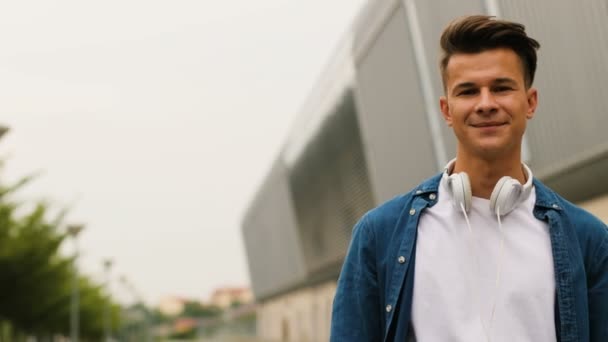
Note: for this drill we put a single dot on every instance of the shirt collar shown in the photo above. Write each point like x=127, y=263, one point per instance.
x=545, y=197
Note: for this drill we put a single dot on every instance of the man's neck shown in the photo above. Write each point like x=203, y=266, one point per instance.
x=484, y=174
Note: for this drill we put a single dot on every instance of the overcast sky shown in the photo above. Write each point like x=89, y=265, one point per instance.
x=156, y=121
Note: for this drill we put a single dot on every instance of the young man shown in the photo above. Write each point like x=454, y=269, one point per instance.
x=482, y=251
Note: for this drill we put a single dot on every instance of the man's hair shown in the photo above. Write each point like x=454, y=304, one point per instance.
x=478, y=33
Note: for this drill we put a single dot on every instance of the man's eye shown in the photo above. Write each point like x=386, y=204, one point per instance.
x=467, y=92
x=501, y=89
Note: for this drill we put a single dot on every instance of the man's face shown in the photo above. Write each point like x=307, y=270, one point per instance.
x=487, y=103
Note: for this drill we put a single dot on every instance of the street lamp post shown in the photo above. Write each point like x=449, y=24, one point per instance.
x=107, y=264
x=73, y=231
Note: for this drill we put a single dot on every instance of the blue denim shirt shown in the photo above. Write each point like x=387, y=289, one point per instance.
x=374, y=296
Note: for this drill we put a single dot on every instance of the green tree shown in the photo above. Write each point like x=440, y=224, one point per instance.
x=196, y=309
x=35, y=279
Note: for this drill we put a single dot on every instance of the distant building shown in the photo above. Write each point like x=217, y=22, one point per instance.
x=172, y=306
x=227, y=296
x=371, y=129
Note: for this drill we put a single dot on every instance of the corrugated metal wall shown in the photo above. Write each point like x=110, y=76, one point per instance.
x=330, y=187
x=392, y=114
x=273, y=244
x=323, y=177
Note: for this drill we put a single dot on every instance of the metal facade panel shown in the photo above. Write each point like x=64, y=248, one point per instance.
x=394, y=125
x=334, y=79
x=271, y=240
x=330, y=188
x=572, y=74
x=434, y=16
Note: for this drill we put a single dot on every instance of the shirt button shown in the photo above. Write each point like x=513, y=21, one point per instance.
x=389, y=308
x=412, y=211
x=432, y=197
x=401, y=260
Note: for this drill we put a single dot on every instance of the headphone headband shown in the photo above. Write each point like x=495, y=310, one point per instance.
x=508, y=192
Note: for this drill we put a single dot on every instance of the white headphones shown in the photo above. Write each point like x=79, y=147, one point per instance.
x=506, y=196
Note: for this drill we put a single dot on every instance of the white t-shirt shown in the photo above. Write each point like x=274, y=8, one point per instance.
x=455, y=275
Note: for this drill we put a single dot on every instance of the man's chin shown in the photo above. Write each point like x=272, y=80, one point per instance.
x=490, y=151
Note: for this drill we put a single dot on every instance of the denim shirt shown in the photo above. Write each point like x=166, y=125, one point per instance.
x=374, y=295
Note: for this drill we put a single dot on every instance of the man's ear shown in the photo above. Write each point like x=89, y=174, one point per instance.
x=445, y=110
x=532, y=95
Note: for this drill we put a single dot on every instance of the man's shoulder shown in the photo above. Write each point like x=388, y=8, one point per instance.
x=588, y=227
x=390, y=211
x=582, y=220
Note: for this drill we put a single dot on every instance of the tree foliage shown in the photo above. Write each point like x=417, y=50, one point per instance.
x=35, y=279
x=195, y=309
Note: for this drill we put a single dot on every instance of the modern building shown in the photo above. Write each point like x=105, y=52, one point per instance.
x=371, y=129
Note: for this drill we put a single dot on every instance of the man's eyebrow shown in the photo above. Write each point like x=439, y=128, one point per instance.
x=504, y=80
x=463, y=85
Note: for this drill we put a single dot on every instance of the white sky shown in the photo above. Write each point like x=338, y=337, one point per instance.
x=157, y=120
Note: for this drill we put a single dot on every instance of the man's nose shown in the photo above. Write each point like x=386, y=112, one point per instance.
x=487, y=103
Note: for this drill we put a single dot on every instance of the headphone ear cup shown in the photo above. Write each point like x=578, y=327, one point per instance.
x=506, y=195
x=460, y=186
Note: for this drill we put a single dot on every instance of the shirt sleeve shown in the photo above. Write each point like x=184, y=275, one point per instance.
x=355, y=315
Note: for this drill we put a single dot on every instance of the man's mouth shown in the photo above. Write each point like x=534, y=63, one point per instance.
x=488, y=124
